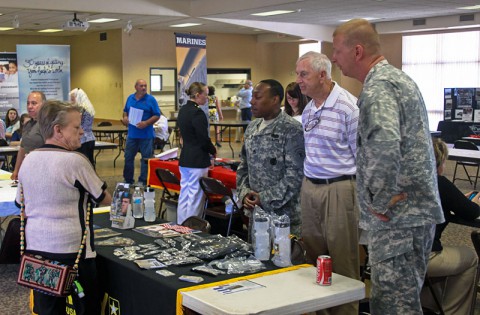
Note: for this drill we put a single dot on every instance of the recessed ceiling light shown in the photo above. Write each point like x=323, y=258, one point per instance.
x=103, y=20
x=463, y=26
x=185, y=25
x=472, y=7
x=270, y=13
x=50, y=30
x=6, y=28
x=365, y=18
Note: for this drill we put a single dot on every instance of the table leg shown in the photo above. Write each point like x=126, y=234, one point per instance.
x=230, y=141
x=120, y=147
x=95, y=158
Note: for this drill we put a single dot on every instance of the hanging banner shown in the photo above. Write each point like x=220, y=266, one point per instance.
x=191, y=62
x=8, y=83
x=44, y=68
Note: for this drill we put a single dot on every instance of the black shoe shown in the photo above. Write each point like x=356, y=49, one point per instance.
x=218, y=144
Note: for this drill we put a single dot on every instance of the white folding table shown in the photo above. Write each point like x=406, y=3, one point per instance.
x=291, y=292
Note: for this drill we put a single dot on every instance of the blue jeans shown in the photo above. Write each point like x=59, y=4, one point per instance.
x=246, y=116
x=145, y=146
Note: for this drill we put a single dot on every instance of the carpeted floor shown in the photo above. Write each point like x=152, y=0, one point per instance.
x=13, y=298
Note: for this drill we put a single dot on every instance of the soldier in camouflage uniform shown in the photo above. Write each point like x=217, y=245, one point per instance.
x=397, y=188
x=271, y=168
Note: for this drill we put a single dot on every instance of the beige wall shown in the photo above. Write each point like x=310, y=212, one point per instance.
x=145, y=49
x=8, y=43
x=391, y=49
x=284, y=59
x=107, y=70
x=96, y=67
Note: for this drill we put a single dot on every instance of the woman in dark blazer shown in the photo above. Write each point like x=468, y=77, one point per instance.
x=197, y=152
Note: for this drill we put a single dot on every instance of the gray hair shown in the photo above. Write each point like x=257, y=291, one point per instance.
x=319, y=62
x=53, y=113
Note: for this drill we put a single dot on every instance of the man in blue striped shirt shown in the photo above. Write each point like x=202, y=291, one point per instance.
x=328, y=194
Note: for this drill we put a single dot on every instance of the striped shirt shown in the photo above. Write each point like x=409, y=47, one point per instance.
x=330, y=145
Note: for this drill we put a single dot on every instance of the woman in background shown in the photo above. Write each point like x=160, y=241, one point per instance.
x=12, y=122
x=17, y=134
x=456, y=264
x=215, y=113
x=57, y=184
x=295, y=101
x=80, y=98
x=196, y=154
x=2, y=129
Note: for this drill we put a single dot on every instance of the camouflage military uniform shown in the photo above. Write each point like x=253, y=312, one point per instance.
x=395, y=155
x=272, y=165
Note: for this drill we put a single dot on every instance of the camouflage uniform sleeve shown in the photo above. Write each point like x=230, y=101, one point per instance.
x=276, y=196
x=382, y=146
x=243, y=185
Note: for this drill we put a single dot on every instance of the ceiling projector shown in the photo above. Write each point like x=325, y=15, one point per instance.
x=75, y=25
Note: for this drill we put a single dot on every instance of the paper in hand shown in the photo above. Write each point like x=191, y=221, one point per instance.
x=135, y=116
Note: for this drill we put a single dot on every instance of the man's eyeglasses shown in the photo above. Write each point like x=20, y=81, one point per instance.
x=312, y=122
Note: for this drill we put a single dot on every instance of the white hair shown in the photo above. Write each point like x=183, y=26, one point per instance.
x=318, y=61
x=82, y=100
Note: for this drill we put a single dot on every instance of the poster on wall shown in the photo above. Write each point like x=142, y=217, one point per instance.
x=43, y=68
x=467, y=114
x=8, y=83
x=191, y=63
x=458, y=114
x=464, y=97
x=476, y=115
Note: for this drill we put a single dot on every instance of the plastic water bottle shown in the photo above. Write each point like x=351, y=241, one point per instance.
x=137, y=201
x=116, y=196
x=228, y=206
x=149, y=195
x=261, y=234
x=281, y=244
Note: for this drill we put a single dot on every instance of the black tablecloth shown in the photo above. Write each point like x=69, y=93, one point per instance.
x=138, y=291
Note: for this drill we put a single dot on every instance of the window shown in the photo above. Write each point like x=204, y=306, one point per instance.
x=304, y=48
x=438, y=61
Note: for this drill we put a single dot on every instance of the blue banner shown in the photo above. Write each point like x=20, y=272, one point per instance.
x=44, y=68
x=8, y=83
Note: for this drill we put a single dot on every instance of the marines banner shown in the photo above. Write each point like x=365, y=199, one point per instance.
x=191, y=62
x=8, y=83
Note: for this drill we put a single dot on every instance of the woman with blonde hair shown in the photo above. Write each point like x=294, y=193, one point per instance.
x=197, y=152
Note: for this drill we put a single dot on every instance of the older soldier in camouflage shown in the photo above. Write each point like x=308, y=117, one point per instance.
x=271, y=168
x=397, y=188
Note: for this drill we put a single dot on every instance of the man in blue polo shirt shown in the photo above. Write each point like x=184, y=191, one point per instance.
x=140, y=113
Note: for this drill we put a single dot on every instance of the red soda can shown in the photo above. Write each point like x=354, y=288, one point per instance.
x=324, y=270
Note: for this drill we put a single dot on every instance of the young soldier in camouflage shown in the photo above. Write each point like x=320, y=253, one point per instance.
x=397, y=187
x=271, y=168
